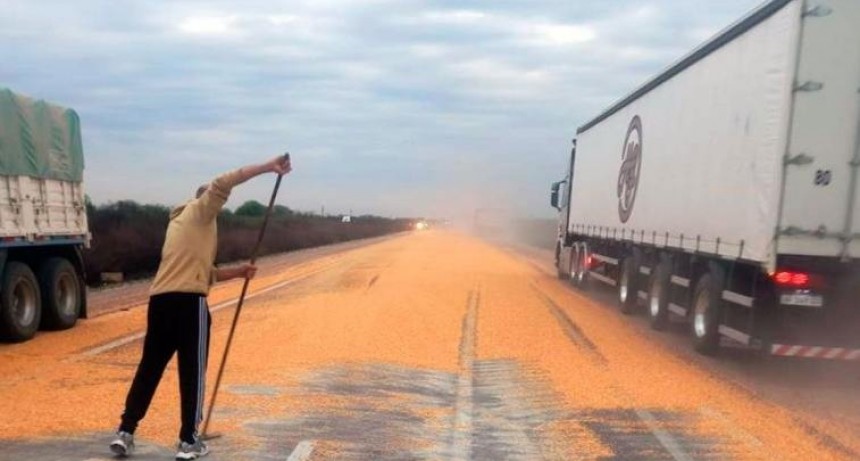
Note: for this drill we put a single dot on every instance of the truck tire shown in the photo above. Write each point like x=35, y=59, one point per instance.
x=571, y=266
x=61, y=294
x=20, y=303
x=706, y=312
x=558, y=262
x=628, y=288
x=562, y=270
x=658, y=296
x=574, y=264
x=580, y=279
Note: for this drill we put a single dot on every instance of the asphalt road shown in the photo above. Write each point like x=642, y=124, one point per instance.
x=428, y=346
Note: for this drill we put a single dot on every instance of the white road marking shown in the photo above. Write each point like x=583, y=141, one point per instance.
x=113, y=344
x=302, y=452
x=139, y=335
x=669, y=443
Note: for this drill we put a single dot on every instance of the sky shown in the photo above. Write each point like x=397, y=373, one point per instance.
x=390, y=107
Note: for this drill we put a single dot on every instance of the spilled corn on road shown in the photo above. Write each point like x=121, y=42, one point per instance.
x=426, y=346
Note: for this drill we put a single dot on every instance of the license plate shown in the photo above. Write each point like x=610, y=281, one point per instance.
x=805, y=300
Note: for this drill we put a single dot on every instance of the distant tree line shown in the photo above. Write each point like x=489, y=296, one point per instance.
x=127, y=236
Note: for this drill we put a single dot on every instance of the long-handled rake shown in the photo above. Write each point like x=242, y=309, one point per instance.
x=205, y=435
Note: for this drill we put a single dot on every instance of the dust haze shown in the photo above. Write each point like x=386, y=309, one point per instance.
x=498, y=212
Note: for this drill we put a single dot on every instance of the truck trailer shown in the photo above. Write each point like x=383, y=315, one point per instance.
x=43, y=219
x=723, y=192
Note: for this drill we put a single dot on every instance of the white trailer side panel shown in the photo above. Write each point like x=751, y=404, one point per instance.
x=826, y=125
x=11, y=209
x=712, y=142
x=33, y=208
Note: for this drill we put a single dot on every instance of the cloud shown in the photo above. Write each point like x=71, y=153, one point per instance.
x=464, y=17
x=393, y=107
x=208, y=25
x=560, y=34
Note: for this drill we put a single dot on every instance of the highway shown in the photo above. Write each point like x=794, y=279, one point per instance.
x=427, y=346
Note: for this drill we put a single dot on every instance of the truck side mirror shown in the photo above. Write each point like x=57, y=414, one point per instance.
x=553, y=198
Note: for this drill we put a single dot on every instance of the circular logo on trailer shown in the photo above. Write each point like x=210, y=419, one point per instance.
x=631, y=165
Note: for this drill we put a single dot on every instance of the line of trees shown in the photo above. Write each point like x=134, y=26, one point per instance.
x=127, y=236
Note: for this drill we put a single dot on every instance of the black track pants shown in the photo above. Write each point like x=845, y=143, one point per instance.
x=176, y=322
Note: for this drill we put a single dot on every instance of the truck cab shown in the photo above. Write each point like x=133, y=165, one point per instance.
x=560, y=200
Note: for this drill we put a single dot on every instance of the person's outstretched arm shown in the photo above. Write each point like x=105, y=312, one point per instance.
x=213, y=198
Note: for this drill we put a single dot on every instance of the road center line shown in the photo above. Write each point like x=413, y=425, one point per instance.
x=302, y=452
x=140, y=334
x=461, y=444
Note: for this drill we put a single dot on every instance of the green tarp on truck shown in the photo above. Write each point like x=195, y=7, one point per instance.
x=39, y=139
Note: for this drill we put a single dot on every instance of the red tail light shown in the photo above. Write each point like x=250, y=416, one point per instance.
x=791, y=279
x=588, y=261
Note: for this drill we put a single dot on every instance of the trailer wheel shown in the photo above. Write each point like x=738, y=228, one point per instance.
x=628, y=289
x=20, y=303
x=658, y=296
x=61, y=293
x=706, y=312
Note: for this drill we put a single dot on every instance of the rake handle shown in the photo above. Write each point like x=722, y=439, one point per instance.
x=241, y=302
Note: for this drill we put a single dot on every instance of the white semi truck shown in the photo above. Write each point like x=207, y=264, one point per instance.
x=723, y=192
x=43, y=220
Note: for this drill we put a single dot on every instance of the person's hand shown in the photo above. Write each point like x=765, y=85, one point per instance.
x=247, y=271
x=280, y=165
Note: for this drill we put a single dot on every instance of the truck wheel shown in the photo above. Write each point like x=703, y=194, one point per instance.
x=628, y=289
x=61, y=293
x=574, y=264
x=20, y=303
x=706, y=313
x=558, y=270
x=581, y=278
x=563, y=270
x=658, y=296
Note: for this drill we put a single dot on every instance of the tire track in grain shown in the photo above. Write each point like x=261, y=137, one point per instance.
x=372, y=282
x=570, y=328
x=653, y=427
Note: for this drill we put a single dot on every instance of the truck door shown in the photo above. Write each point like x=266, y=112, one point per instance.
x=823, y=155
x=568, y=192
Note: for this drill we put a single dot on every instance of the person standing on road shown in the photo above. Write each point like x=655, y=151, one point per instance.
x=178, y=318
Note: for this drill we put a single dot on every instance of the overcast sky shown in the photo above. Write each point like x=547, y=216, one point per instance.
x=390, y=107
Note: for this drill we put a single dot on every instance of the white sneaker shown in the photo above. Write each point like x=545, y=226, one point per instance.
x=123, y=444
x=194, y=450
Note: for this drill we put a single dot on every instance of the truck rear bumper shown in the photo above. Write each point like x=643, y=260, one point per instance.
x=814, y=352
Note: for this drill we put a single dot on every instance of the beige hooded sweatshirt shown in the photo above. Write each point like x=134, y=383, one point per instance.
x=190, y=245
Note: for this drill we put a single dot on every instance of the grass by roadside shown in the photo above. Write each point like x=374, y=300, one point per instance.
x=127, y=236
